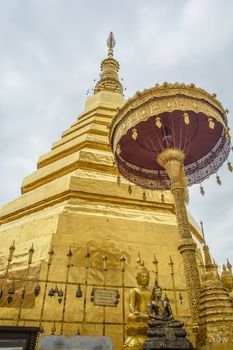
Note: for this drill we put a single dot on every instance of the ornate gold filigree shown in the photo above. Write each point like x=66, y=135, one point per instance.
x=172, y=160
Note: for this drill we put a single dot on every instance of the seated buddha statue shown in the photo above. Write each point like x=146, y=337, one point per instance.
x=163, y=331
x=139, y=299
x=160, y=311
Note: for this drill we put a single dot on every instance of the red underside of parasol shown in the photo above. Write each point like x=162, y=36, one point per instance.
x=205, y=148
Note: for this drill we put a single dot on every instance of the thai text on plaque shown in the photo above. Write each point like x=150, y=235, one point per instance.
x=105, y=297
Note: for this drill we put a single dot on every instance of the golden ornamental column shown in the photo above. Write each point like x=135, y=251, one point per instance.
x=172, y=161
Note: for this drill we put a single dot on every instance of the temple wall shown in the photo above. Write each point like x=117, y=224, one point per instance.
x=100, y=216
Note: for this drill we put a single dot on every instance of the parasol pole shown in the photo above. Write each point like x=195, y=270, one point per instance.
x=172, y=160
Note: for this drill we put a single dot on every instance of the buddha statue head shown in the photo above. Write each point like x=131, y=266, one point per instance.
x=142, y=276
x=157, y=291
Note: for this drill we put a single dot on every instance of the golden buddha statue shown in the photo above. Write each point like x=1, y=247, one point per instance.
x=139, y=299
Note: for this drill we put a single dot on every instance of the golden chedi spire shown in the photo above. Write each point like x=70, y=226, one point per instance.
x=227, y=278
x=215, y=324
x=109, y=80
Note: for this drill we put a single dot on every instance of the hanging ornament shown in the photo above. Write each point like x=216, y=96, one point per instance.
x=202, y=190
x=129, y=189
x=211, y=123
x=186, y=118
x=227, y=135
x=118, y=149
x=158, y=122
x=37, y=289
x=118, y=180
x=144, y=195
x=229, y=165
x=232, y=148
x=162, y=198
x=219, y=182
x=79, y=292
x=134, y=134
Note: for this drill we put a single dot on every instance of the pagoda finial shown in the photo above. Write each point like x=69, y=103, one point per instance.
x=110, y=43
x=207, y=258
x=109, y=80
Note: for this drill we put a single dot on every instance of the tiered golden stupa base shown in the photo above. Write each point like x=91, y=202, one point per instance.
x=215, y=330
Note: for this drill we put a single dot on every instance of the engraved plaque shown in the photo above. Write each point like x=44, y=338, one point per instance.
x=106, y=297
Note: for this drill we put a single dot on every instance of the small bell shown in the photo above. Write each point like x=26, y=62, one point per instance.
x=92, y=295
x=118, y=149
x=162, y=198
x=11, y=289
x=227, y=135
x=202, y=190
x=229, y=165
x=78, y=332
x=219, y=182
x=37, y=290
x=144, y=195
x=134, y=134
x=158, y=122
x=56, y=290
x=9, y=299
x=79, y=292
x=129, y=189
x=211, y=123
x=53, y=329
x=51, y=292
x=186, y=118
x=60, y=293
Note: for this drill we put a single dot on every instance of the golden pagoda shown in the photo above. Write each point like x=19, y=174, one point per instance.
x=78, y=225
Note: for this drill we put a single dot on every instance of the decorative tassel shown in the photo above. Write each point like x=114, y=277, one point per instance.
x=186, y=118
x=202, y=190
x=229, y=165
x=211, y=123
x=219, y=182
x=134, y=134
x=158, y=122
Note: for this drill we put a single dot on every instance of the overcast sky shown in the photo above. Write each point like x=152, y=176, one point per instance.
x=50, y=52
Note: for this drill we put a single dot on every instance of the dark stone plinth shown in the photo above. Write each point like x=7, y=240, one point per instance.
x=167, y=337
